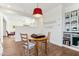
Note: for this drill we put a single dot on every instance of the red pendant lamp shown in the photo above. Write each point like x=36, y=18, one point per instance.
x=37, y=12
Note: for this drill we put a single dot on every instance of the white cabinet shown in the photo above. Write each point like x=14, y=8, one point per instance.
x=71, y=23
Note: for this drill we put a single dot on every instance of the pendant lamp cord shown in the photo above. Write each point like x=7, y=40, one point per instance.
x=37, y=5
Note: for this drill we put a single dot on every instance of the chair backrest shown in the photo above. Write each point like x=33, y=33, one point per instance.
x=48, y=37
x=25, y=40
x=24, y=37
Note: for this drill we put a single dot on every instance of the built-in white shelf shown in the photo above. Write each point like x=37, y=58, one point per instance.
x=71, y=27
x=71, y=21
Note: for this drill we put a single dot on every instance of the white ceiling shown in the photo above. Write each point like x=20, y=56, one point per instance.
x=26, y=9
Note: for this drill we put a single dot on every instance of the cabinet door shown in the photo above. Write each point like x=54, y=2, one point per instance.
x=75, y=41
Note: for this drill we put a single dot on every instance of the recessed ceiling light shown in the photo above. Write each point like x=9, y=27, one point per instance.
x=8, y=6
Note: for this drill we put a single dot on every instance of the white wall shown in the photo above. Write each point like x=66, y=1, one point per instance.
x=24, y=29
x=4, y=27
x=56, y=26
x=16, y=20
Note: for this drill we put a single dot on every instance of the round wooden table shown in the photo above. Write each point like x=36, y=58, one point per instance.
x=37, y=40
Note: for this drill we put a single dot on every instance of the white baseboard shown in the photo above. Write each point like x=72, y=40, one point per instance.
x=71, y=47
x=61, y=45
x=56, y=44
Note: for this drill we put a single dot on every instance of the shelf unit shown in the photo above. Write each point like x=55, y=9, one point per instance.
x=72, y=21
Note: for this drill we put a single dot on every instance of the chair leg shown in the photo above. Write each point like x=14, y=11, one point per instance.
x=34, y=52
x=43, y=48
x=28, y=53
x=46, y=47
x=25, y=52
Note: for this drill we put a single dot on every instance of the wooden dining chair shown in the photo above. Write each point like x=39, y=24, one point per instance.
x=46, y=43
x=48, y=37
x=24, y=37
x=27, y=44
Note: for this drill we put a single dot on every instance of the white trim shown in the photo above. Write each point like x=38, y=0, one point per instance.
x=71, y=47
x=56, y=44
x=75, y=49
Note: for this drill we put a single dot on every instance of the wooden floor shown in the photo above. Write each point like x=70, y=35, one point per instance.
x=12, y=48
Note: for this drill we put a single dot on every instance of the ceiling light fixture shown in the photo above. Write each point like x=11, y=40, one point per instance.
x=37, y=12
x=8, y=6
